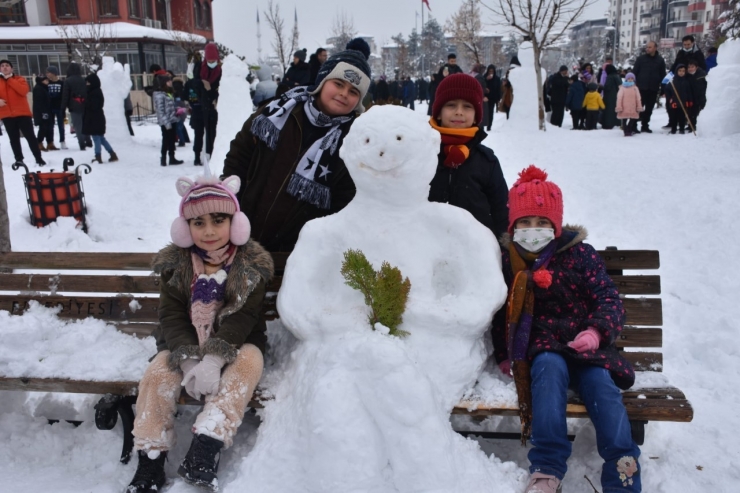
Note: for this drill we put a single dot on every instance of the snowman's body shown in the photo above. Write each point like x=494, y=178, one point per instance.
x=361, y=410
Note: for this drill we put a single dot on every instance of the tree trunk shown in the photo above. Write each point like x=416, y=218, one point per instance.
x=4, y=223
x=540, y=95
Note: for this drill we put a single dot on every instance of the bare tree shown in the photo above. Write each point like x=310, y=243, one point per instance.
x=403, y=60
x=191, y=43
x=543, y=23
x=87, y=44
x=4, y=222
x=280, y=41
x=465, y=26
x=342, y=30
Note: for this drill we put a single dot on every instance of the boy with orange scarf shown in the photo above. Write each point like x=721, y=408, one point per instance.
x=468, y=174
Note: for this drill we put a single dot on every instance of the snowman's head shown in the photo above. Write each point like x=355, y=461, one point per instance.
x=391, y=154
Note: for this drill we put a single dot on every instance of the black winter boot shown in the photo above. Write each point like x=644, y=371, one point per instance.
x=201, y=462
x=163, y=161
x=98, y=158
x=174, y=160
x=149, y=477
x=197, y=161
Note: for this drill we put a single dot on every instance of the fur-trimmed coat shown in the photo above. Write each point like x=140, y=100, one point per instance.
x=238, y=322
x=582, y=295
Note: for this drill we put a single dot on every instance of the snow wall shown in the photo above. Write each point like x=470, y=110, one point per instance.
x=720, y=117
x=524, y=114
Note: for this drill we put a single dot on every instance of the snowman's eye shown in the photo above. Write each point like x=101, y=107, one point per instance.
x=398, y=137
x=367, y=141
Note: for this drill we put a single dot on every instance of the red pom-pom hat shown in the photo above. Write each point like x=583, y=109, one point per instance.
x=533, y=195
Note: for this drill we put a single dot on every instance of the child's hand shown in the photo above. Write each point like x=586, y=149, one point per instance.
x=505, y=367
x=587, y=340
x=206, y=375
x=186, y=366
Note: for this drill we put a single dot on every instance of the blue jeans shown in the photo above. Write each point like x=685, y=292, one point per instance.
x=59, y=116
x=551, y=377
x=100, y=139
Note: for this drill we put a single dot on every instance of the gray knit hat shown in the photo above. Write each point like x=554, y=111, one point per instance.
x=350, y=65
x=52, y=69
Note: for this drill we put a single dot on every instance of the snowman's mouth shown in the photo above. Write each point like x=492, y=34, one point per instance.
x=377, y=171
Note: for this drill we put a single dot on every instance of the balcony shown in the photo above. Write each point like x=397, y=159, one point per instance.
x=678, y=3
x=656, y=9
x=720, y=2
x=645, y=30
x=695, y=29
x=678, y=22
x=697, y=6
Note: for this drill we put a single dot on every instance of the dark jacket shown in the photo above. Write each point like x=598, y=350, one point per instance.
x=93, y=119
x=276, y=216
x=192, y=92
x=582, y=295
x=41, y=102
x=494, y=86
x=699, y=88
x=649, y=72
x=478, y=186
x=382, y=92
x=611, y=88
x=313, y=69
x=74, y=90
x=683, y=88
x=297, y=75
x=55, y=93
x=452, y=69
x=238, y=322
x=558, y=89
x=684, y=57
x=208, y=98
x=576, y=93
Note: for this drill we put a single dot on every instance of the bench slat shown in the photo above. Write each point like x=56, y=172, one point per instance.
x=645, y=361
x=644, y=311
x=640, y=337
x=637, y=285
x=631, y=259
x=80, y=283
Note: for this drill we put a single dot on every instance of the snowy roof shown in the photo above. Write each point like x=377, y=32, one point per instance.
x=122, y=30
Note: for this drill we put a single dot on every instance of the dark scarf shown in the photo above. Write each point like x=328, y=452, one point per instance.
x=310, y=181
x=454, y=142
x=519, y=316
x=210, y=74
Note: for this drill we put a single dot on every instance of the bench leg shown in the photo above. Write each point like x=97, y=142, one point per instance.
x=638, y=431
x=107, y=411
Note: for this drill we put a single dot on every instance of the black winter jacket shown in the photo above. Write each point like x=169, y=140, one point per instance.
x=684, y=57
x=478, y=186
x=558, y=89
x=74, y=90
x=93, y=119
x=649, y=72
x=298, y=75
x=683, y=88
x=699, y=88
x=494, y=86
x=41, y=102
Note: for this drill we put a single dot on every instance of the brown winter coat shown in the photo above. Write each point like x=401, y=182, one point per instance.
x=14, y=90
x=276, y=216
x=629, y=103
x=238, y=322
x=507, y=95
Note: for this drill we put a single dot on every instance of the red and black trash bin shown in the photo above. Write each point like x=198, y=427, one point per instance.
x=51, y=195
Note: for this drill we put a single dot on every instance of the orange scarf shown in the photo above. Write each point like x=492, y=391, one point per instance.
x=453, y=143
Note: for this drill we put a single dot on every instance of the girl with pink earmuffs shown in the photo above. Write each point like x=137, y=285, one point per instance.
x=211, y=335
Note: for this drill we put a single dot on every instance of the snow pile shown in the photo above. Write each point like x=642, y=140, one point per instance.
x=38, y=343
x=357, y=410
x=720, y=117
x=115, y=81
x=234, y=107
x=524, y=113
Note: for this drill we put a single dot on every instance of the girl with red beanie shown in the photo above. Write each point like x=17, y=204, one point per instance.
x=562, y=317
x=468, y=174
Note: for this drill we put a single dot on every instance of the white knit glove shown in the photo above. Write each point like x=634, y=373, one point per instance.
x=206, y=375
x=186, y=365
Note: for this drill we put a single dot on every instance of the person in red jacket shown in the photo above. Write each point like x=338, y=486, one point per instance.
x=15, y=112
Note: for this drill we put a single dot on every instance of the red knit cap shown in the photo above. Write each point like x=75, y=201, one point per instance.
x=459, y=86
x=533, y=195
x=212, y=52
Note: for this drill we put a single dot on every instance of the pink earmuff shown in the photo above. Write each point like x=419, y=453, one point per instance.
x=240, y=229
x=180, y=233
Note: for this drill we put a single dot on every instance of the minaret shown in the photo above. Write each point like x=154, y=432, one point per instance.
x=259, y=39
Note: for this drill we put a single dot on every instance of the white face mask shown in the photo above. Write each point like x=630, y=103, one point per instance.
x=212, y=64
x=533, y=239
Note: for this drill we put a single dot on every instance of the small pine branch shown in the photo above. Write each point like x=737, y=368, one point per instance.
x=386, y=291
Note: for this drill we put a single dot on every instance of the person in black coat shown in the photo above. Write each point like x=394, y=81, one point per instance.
x=42, y=113
x=698, y=79
x=73, y=99
x=299, y=73
x=315, y=62
x=679, y=97
x=493, y=93
x=382, y=92
x=192, y=94
x=468, y=173
x=93, y=119
x=689, y=52
x=558, y=90
x=649, y=72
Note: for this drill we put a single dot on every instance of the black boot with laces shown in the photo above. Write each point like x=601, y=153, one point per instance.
x=149, y=477
x=201, y=462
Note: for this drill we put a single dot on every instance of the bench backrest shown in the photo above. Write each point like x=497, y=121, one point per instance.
x=123, y=291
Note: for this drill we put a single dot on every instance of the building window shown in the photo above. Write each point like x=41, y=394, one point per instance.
x=134, y=8
x=161, y=12
x=146, y=9
x=14, y=14
x=108, y=8
x=206, y=15
x=66, y=8
x=198, y=14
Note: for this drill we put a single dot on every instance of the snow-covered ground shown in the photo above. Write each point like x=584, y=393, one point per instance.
x=671, y=193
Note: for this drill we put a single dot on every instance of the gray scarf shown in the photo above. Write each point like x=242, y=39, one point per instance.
x=314, y=166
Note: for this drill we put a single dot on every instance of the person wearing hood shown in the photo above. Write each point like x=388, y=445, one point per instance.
x=574, y=102
x=210, y=74
x=299, y=73
x=493, y=93
x=689, y=51
x=558, y=86
x=192, y=94
x=711, y=60
x=42, y=113
x=93, y=120
x=74, y=93
x=611, y=88
x=698, y=79
x=266, y=87
x=164, y=106
x=15, y=113
x=315, y=62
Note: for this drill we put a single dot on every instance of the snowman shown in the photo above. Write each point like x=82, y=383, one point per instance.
x=115, y=82
x=358, y=410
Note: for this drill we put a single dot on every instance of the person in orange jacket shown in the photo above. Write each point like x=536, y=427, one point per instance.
x=15, y=112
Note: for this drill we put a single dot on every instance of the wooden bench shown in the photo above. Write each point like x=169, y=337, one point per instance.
x=106, y=295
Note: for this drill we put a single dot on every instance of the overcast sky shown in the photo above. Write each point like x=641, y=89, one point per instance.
x=235, y=21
